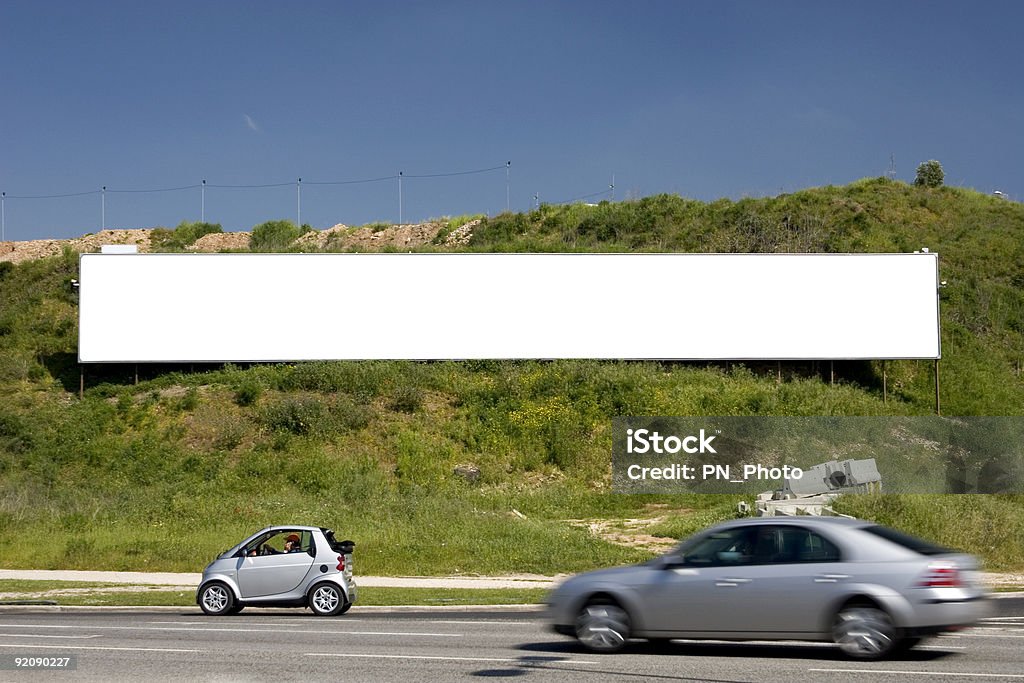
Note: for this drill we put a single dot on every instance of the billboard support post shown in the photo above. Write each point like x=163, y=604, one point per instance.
x=885, y=392
x=938, y=408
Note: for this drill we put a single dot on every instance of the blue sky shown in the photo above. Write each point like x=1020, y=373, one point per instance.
x=704, y=99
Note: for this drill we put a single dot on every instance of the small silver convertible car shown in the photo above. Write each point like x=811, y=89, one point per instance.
x=868, y=588
x=281, y=566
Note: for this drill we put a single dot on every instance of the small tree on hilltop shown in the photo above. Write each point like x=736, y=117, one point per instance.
x=929, y=174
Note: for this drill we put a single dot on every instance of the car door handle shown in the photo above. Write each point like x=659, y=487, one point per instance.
x=830, y=578
x=731, y=582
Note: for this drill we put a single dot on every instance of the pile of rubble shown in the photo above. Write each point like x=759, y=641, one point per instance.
x=337, y=238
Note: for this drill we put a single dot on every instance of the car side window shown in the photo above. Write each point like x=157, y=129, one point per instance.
x=281, y=542
x=792, y=544
x=729, y=547
x=813, y=547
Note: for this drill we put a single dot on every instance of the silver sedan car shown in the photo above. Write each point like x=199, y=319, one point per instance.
x=870, y=589
x=281, y=566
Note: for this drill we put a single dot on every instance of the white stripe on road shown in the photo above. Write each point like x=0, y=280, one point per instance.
x=242, y=630
x=33, y=635
x=488, y=623
x=208, y=622
x=100, y=647
x=525, y=662
x=1008, y=627
x=900, y=672
x=325, y=633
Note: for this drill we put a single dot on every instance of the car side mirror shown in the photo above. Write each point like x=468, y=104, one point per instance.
x=673, y=561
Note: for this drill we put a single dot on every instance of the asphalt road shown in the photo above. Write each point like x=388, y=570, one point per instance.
x=260, y=645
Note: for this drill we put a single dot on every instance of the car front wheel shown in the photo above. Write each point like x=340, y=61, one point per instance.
x=602, y=627
x=864, y=632
x=217, y=599
x=326, y=600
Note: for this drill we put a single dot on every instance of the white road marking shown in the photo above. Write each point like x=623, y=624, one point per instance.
x=242, y=630
x=489, y=623
x=987, y=635
x=33, y=635
x=307, y=620
x=999, y=628
x=101, y=647
x=900, y=672
x=940, y=647
x=520, y=660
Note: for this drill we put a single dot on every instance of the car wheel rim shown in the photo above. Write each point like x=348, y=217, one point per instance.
x=864, y=632
x=215, y=598
x=602, y=627
x=325, y=599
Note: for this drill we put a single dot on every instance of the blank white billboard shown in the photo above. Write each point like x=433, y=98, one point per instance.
x=280, y=307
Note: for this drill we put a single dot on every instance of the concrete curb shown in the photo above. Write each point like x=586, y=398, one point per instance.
x=193, y=579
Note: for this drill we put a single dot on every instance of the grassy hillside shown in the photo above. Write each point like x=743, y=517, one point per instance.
x=488, y=467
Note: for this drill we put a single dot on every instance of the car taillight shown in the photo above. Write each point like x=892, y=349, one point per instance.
x=940, y=576
x=341, y=563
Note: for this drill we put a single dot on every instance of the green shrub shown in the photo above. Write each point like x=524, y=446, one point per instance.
x=407, y=399
x=300, y=416
x=314, y=417
x=349, y=416
x=189, y=401
x=182, y=237
x=248, y=392
x=273, y=236
x=15, y=434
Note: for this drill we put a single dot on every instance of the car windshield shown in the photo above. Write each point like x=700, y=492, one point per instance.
x=918, y=545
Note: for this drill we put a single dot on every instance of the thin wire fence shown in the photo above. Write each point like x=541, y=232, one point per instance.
x=203, y=186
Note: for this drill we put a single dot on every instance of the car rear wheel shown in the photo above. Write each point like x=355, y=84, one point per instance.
x=864, y=632
x=217, y=599
x=326, y=600
x=602, y=626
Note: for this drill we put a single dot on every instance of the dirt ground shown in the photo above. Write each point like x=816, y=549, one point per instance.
x=337, y=238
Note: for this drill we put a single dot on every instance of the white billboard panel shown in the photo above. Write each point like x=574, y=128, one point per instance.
x=278, y=307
